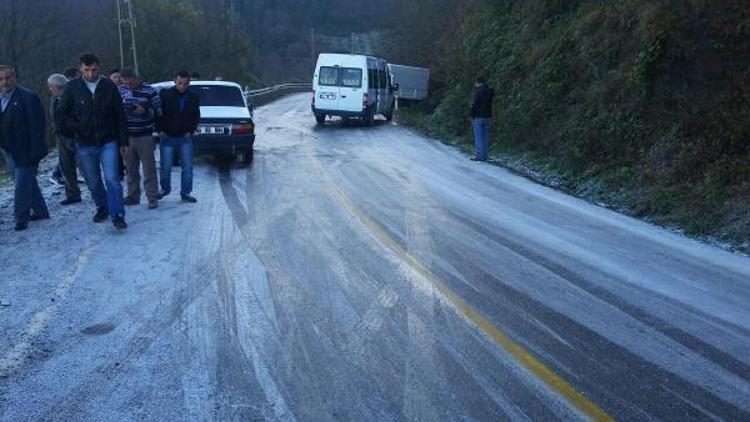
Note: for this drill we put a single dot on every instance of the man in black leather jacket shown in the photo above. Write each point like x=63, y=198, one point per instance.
x=91, y=112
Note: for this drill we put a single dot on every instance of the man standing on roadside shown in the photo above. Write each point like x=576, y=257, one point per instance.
x=180, y=117
x=22, y=136
x=66, y=147
x=91, y=111
x=481, y=116
x=142, y=106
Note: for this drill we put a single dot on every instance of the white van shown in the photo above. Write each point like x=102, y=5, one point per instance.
x=348, y=85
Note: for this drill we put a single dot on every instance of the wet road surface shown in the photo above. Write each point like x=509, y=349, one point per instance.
x=367, y=273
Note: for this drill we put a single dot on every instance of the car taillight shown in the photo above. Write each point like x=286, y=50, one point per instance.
x=365, y=100
x=243, y=129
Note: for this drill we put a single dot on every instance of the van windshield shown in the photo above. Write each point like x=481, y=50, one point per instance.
x=340, y=76
x=218, y=95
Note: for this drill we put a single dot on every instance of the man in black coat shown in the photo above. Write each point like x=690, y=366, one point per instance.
x=22, y=136
x=179, y=120
x=481, y=116
x=90, y=111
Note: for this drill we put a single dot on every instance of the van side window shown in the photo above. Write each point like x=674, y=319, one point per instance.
x=329, y=76
x=372, y=76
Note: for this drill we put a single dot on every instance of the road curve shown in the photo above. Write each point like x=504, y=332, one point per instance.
x=368, y=273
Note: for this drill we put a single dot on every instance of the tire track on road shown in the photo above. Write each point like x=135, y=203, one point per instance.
x=15, y=357
x=523, y=357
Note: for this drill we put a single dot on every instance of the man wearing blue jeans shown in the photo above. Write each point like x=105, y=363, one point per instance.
x=481, y=116
x=179, y=120
x=91, y=112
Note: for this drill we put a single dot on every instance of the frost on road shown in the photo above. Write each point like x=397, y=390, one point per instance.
x=355, y=273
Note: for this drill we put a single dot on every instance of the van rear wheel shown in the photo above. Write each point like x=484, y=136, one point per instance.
x=369, y=118
x=320, y=118
x=389, y=115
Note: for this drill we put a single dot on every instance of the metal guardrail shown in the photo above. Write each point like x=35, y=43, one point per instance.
x=277, y=88
x=262, y=96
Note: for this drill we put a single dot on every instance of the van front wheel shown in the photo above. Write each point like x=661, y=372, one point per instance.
x=320, y=118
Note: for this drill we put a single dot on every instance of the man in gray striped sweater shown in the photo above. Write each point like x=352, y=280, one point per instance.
x=142, y=106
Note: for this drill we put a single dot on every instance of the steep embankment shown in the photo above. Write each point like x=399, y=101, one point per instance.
x=642, y=105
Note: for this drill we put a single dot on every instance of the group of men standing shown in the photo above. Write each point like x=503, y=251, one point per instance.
x=99, y=123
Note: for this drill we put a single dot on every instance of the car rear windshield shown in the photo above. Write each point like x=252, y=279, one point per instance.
x=218, y=95
x=340, y=76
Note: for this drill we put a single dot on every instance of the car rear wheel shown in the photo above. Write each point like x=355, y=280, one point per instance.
x=320, y=118
x=247, y=156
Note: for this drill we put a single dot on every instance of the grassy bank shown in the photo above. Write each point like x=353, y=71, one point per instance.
x=641, y=105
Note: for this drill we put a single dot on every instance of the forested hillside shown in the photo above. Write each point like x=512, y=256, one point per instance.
x=44, y=36
x=643, y=105
x=288, y=34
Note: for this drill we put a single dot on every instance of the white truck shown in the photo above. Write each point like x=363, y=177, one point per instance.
x=352, y=86
x=412, y=82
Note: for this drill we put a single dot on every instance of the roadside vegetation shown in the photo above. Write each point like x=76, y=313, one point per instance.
x=640, y=105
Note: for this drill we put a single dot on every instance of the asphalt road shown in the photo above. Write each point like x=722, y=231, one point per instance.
x=368, y=273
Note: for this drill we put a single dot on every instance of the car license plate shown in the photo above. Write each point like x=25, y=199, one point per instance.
x=212, y=130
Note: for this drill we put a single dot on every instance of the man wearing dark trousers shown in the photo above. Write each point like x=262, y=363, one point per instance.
x=481, y=116
x=91, y=111
x=180, y=116
x=66, y=147
x=22, y=134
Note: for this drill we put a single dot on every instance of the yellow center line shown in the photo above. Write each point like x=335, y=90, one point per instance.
x=524, y=357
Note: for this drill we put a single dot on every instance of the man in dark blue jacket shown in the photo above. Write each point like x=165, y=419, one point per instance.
x=22, y=133
x=90, y=111
x=481, y=115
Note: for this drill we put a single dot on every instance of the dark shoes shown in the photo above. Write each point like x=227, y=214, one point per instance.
x=188, y=198
x=35, y=217
x=152, y=205
x=70, y=201
x=475, y=158
x=101, y=215
x=120, y=223
x=130, y=201
x=162, y=194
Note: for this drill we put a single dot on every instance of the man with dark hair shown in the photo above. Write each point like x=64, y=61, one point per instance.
x=481, y=115
x=91, y=111
x=72, y=73
x=143, y=106
x=115, y=76
x=22, y=135
x=180, y=116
